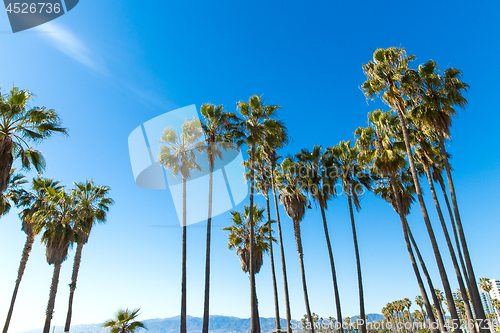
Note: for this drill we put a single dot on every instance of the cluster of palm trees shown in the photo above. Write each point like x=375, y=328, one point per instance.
x=390, y=157
x=486, y=285
x=62, y=216
x=399, y=316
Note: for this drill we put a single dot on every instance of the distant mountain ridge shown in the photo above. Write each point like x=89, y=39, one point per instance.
x=218, y=324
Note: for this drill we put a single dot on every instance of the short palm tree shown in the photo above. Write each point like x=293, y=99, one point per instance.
x=92, y=203
x=32, y=201
x=419, y=300
x=56, y=218
x=217, y=125
x=239, y=239
x=440, y=297
x=124, y=322
x=294, y=201
x=20, y=125
x=485, y=284
x=496, y=306
x=178, y=153
x=389, y=75
x=316, y=180
x=258, y=121
x=354, y=180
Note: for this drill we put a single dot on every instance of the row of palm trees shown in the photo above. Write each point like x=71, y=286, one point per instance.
x=389, y=157
x=398, y=313
x=62, y=216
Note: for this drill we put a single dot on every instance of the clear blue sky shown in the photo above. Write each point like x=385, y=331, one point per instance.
x=108, y=67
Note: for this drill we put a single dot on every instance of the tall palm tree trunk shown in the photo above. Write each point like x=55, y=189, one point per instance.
x=6, y=160
x=254, y=328
x=358, y=265
x=298, y=241
x=439, y=260
x=22, y=266
x=463, y=291
x=282, y=254
x=457, y=241
x=256, y=305
x=435, y=300
x=206, y=312
x=52, y=297
x=478, y=306
x=404, y=224
x=183, y=282
x=273, y=272
x=72, y=286
x=455, y=234
x=332, y=265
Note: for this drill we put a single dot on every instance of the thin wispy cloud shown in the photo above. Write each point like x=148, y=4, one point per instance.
x=68, y=43
x=71, y=45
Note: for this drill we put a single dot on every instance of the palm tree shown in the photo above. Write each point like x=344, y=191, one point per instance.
x=347, y=320
x=425, y=156
x=419, y=300
x=56, y=217
x=274, y=141
x=20, y=124
x=320, y=185
x=496, y=306
x=419, y=316
x=388, y=74
x=440, y=297
x=124, y=322
x=388, y=312
x=178, y=153
x=294, y=201
x=485, y=284
x=353, y=179
x=256, y=123
x=439, y=95
x=262, y=183
x=380, y=150
x=33, y=201
x=217, y=126
x=92, y=204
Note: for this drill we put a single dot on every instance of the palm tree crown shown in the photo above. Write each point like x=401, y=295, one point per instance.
x=124, y=322
x=19, y=125
x=239, y=237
